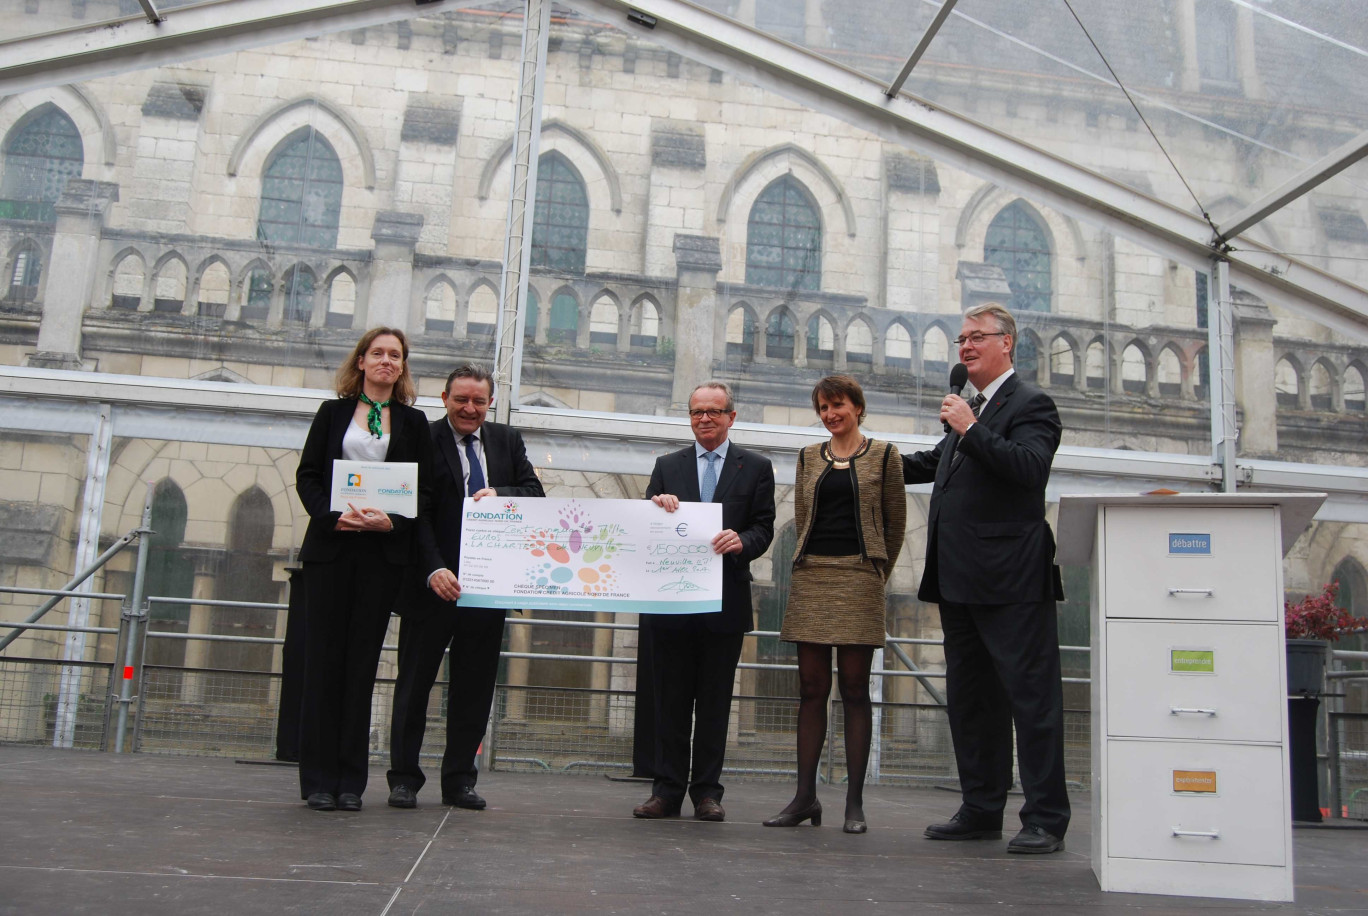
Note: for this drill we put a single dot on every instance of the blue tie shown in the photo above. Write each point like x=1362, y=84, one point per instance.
x=709, y=485
x=475, y=482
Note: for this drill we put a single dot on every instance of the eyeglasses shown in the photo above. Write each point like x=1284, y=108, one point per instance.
x=978, y=337
x=712, y=413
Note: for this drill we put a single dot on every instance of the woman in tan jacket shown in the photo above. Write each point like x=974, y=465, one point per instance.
x=850, y=511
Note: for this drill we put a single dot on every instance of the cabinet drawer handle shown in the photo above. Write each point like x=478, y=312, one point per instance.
x=1209, y=834
x=1192, y=591
x=1191, y=711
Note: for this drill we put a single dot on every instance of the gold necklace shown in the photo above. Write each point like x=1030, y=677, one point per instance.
x=841, y=464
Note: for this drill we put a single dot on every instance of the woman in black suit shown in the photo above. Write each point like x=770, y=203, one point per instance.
x=353, y=563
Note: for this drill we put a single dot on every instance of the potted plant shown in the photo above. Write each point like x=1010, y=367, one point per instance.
x=1312, y=624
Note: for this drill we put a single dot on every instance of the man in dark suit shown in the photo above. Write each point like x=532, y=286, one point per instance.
x=476, y=459
x=694, y=656
x=990, y=567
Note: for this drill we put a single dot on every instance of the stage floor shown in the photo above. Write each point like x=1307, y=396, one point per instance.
x=85, y=832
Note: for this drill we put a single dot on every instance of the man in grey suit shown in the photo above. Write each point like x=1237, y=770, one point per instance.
x=694, y=656
x=990, y=567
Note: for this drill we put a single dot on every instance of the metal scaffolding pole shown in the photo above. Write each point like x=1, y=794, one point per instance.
x=87, y=545
x=522, y=191
x=137, y=610
x=64, y=591
x=1221, y=346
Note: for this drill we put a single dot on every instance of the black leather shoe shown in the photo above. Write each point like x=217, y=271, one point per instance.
x=403, y=797
x=960, y=827
x=465, y=797
x=348, y=801
x=322, y=801
x=1037, y=840
x=812, y=812
x=855, y=819
x=655, y=808
x=710, y=809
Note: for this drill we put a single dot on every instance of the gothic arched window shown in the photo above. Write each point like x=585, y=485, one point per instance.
x=1017, y=243
x=784, y=238
x=246, y=575
x=1217, y=61
x=170, y=573
x=560, y=222
x=563, y=322
x=299, y=288
x=301, y=192
x=1353, y=597
x=821, y=338
x=257, y=293
x=780, y=333
x=740, y=335
x=41, y=154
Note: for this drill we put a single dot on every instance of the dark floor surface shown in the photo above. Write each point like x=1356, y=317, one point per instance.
x=86, y=832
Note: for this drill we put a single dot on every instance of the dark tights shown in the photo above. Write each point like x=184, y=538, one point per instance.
x=814, y=688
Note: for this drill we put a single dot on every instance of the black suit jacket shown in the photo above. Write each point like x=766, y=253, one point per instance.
x=509, y=473
x=987, y=538
x=409, y=441
x=745, y=488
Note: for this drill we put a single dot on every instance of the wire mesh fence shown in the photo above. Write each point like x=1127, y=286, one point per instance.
x=214, y=713
x=1349, y=764
x=32, y=710
x=183, y=706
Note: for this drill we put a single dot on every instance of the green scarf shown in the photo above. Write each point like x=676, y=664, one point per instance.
x=373, y=417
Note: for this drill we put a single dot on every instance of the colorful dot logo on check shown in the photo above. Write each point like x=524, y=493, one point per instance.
x=576, y=553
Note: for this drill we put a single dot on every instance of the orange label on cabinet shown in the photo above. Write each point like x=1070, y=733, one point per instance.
x=1203, y=781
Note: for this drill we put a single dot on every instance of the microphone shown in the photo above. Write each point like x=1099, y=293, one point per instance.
x=958, y=376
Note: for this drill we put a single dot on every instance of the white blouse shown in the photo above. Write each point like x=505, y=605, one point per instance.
x=359, y=445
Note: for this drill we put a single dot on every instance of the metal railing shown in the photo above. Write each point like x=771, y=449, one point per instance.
x=1347, y=765
x=561, y=711
x=146, y=695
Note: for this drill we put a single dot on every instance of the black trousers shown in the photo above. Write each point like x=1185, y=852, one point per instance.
x=475, y=636
x=693, y=670
x=347, y=605
x=1002, y=669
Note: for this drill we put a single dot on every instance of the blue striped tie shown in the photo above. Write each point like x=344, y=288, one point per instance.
x=709, y=485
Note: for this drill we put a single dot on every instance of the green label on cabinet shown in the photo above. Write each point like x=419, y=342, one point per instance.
x=1192, y=661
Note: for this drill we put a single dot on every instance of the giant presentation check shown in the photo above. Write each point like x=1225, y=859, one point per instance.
x=590, y=555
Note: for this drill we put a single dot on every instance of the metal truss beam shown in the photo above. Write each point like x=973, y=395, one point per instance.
x=927, y=37
x=1308, y=179
x=61, y=401
x=151, y=10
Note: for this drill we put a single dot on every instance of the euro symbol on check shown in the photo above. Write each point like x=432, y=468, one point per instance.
x=682, y=529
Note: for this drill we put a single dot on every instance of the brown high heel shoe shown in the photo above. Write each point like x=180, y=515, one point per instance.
x=812, y=812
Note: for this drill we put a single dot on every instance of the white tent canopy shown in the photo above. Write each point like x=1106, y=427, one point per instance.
x=1322, y=58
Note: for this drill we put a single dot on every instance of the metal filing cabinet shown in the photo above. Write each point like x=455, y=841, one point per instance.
x=1189, y=712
